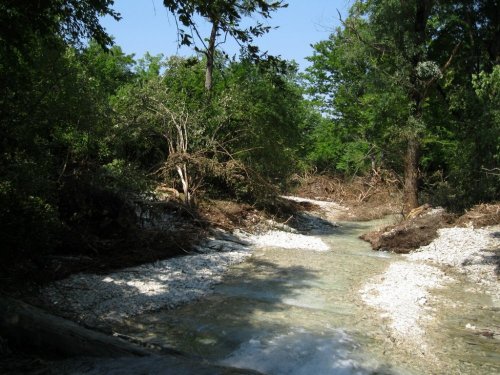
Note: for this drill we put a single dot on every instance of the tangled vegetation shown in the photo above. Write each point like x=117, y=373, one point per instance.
x=407, y=90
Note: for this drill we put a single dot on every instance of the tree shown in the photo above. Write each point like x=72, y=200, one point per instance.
x=51, y=115
x=225, y=18
x=399, y=40
x=360, y=107
x=71, y=20
x=248, y=131
x=267, y=115
x=401, y=76
x=162, y=109
x=110, y=68
x=389, y=43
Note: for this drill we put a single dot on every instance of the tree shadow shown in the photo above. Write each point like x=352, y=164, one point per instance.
x=248, y=322
x=248, y=313
x=490, y=256
x=264, y=282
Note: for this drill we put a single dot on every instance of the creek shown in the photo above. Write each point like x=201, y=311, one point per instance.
x=287, y=311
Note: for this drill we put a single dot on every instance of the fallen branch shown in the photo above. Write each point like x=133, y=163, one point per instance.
x=30, y=328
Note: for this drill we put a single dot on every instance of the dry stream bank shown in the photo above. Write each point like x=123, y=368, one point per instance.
x=312, y=298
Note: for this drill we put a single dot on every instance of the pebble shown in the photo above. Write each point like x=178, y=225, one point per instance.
x=470, y=326
x=97, y=299
x=473, y=252
x=465, y=250
x=403, y=302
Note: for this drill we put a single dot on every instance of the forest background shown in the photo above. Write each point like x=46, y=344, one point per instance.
x=407, y=91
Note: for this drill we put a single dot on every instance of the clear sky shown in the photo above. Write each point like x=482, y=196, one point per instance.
x=146, y=26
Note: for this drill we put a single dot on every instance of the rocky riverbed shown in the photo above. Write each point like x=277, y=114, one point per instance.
x=406, y=292
x=99, y=300
x=404, y=295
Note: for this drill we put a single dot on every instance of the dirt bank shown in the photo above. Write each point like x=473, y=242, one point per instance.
x=421, y=227
x=367, y=198
x=411, y=233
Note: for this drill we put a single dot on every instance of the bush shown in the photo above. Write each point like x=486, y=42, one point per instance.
x=29, y=225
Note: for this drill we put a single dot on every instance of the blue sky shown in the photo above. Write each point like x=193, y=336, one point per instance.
x=146, y=26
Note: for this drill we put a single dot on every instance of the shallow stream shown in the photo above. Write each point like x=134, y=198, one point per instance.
x=299, y=312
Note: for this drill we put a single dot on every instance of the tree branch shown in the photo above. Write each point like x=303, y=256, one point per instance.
x=352, y=28
x=443, y=69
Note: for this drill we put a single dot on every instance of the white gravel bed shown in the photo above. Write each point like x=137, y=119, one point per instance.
x=322, y=204
x=94, y=299
x=286, y=240
x=469, y=251
x=402, y=292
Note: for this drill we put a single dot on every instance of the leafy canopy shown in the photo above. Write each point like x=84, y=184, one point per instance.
x=227, y=15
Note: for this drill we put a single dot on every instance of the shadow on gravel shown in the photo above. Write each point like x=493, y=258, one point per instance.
x=254, y=321
x=255, y=287
x=492, y=256
x=309, y=224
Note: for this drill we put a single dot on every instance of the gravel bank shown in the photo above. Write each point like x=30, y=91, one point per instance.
x=403, y=291
x=325, y=205
x=96, y=299
x=474, y=252
x=330, y=211
x=93, y=299
x=286, y=240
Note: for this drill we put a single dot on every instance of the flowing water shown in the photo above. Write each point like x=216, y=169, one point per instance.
x=299, y=312
x=285, y=312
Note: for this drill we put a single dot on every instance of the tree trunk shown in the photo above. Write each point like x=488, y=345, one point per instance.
x=210, y=56
x=183, y=174
x=32, y=329
x=417, y=95
x=410, y=189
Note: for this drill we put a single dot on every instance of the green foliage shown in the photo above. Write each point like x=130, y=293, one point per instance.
x=421, y=71
x=228, y=15
x=71, y=20
x=268, y=112
x=28, y=224
x=250, y=125
x=108, y=69
x=54, y=114
x=487, y=87
x=474, y=170
x=362, y=116
x=225, y=18
x=123, y=178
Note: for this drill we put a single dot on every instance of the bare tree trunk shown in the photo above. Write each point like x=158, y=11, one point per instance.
x=410, y=189
x=210, y=56
x=33, y=329
x=182, y=171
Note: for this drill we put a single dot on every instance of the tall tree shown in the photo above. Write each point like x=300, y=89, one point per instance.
x=399, y=43
x=360, y=106
x=225, y=18
x=72, y=20
x=50, y=113
x=408, y=72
